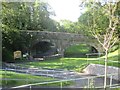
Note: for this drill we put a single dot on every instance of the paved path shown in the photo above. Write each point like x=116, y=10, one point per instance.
x=64, y=75
x=59, y=74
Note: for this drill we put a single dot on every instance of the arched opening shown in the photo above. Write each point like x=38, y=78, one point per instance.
x=79, y=50
x=43, y=48
x=93, y=50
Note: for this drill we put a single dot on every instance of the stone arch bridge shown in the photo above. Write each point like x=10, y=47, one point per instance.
x=62, y=40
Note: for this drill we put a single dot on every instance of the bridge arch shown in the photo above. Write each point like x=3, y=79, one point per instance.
x=63, y=40
x=43, y=48
x=77, y=43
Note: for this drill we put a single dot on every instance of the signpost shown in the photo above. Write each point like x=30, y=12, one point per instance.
x=17, y=54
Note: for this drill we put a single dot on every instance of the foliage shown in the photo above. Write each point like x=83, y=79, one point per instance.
x=14, y=40
x=105, y=33
x=27, y=15
x=21, y=16
x=7, y=55
x=68, y=26
x=96, y=21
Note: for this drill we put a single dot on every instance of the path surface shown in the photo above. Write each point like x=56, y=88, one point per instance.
x=81, y=78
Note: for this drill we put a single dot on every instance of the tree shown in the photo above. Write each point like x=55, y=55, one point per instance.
x=103, y=25
x=21, y=16
x=69, y=26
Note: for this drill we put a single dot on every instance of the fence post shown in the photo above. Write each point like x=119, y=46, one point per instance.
x=15, y=69
x=66, y=75
x=88, y=83
x=47, y=73
x=53, y=73
x=5, y=77
x=30, y=87
x=26, y=77
x=21, y=69
x=99, y=58
x=66, y=71
x=110, y=80
x=87, y=59
x=61, y=85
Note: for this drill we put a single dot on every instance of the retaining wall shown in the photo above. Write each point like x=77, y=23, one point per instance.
x=97, y=69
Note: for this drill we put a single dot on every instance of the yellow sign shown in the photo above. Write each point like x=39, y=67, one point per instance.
x=17, y=54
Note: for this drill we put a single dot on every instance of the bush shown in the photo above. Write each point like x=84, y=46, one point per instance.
x=7, y=55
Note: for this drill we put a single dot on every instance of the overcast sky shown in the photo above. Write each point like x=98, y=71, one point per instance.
x=66, y=9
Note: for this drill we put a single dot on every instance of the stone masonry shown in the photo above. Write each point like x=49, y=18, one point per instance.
x=62, y=40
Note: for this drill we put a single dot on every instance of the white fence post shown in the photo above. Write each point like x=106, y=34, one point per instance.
x=30, y=87
x=88, y=82
x=111, y=80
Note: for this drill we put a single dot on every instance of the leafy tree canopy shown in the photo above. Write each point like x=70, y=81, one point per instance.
x=17, y=16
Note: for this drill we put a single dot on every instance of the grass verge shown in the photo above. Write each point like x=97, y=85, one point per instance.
x=23, y=79
x=76, y=64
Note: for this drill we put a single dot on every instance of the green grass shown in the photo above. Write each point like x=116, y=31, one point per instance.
x=63, y=63
x=76, y=64
x=113, y=55
x=81, y=48
x=77, y=50
x=26, y=79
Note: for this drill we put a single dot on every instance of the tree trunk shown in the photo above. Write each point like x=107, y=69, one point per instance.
x=105, y=78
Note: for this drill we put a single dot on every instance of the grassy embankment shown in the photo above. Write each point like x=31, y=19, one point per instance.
x=24, y=79
x=67, y=63
x=75, y=63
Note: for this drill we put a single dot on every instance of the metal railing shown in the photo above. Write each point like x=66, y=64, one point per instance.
x=87, y=83
x=41, y=72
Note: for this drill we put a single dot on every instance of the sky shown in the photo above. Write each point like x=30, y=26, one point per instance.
x=65, y=9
